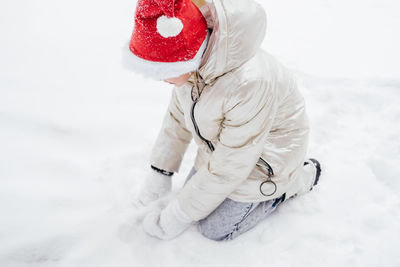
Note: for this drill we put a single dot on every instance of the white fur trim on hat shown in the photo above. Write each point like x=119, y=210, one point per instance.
x=169, y=27
x=161, y=70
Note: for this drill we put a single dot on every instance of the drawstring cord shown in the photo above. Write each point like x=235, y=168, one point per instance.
x=196, y=84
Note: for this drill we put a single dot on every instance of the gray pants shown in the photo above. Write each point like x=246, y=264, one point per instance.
x=231, y=218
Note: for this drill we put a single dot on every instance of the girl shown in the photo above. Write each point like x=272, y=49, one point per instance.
x=237, y=102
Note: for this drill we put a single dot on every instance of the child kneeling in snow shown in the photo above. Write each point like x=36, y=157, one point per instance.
x=238, y=103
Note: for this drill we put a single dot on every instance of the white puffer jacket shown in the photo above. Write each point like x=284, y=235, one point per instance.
x=249, y=107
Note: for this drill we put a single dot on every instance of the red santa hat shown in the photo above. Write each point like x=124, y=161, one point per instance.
x=168, y=39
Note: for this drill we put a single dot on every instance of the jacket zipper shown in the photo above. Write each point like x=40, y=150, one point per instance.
x=196, y=128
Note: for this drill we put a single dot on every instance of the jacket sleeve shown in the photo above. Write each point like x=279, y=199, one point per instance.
x=173, y=138
x=249, y=114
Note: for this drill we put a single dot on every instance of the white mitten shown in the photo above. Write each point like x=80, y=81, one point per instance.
x=155, y=186
x=167, y=223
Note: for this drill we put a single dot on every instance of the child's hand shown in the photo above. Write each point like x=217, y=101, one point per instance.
x=167, y=223
x=156, y=185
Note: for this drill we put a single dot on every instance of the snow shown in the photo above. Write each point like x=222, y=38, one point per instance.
x=77, y=129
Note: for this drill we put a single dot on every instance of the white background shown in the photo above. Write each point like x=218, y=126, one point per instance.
x=76, y=131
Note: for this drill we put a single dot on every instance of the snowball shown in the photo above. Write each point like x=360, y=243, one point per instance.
x=169, y=27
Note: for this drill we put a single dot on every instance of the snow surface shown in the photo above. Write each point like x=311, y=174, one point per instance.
x=77, y=129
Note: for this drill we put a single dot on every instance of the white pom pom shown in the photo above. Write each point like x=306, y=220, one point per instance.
x=169, y=27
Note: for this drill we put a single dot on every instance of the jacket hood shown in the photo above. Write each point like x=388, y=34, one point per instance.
x=238, y=29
